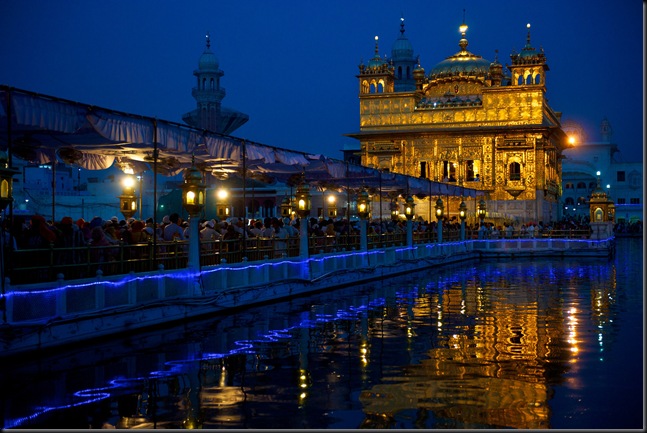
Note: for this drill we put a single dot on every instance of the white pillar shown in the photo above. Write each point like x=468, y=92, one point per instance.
x=194, y=244
x=363, y=235
x=303, y=238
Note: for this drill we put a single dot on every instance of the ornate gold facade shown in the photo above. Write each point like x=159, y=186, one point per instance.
x=469, y=124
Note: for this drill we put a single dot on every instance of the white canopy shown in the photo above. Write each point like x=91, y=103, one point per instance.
x=42, y=129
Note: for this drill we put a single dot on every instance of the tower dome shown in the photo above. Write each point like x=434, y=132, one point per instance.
x=401, y=48
x=208, y=60
x=461, y=63
x=377, y=63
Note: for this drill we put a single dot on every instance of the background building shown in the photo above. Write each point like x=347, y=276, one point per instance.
x=621, y=179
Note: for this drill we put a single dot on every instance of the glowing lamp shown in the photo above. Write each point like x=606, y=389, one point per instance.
x=409, y=207
x=440, y=209
x=482, y=209
x=363, y=204
x=332, y=206
x=128, y=200
x=193, y=190
x=462, y=211
x=303, y=201
x=6, y=181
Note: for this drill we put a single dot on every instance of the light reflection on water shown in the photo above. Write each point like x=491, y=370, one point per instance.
x=543, y=344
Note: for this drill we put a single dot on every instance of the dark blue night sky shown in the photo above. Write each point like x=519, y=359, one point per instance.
x=292, y=65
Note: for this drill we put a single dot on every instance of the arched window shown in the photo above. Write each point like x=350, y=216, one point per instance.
x=380, y=87
x=569, y=201
x=372, y=89
x=520, y=80
x=581, y=200
x=514, y=171
x=581, y=185
x=568, y=186
x=399, y=72
x=211, y=84
x=592, y=185
x=204, y=84
x=529, y=79
x=538, y=79
x=408, y=72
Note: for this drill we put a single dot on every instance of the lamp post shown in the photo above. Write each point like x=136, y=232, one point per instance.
x=128, y=200
x=462, y=214
x=440, y=209
x=409, y=212
x=193, y=196
x=140, y=205
x=303, y=210
x=363, y=211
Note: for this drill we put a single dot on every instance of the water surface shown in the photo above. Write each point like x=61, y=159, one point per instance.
x=497, y=344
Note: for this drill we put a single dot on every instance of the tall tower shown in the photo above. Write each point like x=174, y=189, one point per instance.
x=403, y=62
x=528, y=67
x=210, y=114
x=377, y=76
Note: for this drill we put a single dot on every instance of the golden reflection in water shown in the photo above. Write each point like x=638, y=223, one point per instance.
x=492, y=371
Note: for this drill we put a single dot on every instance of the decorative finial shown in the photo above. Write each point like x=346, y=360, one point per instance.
x=208, y=41
x=463, y=27
x=496, y=56
x=377, y=51
x=528, y=37
x=402, y=25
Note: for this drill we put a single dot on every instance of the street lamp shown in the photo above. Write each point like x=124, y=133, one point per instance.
x=303, y=210
x=394, y=209
x=128, y=200
x=6, y=181
x=462, y=214
x=332, y=206
x=363, y=204
x=286, y=207
x=409, y=207
x=193, y=197
x=363, y=211
x=222, y=208
x=482, y=210
x=440, y=209
x=193, y=191
x=303, y=201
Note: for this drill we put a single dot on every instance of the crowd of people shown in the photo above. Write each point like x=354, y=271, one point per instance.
x=37, y=233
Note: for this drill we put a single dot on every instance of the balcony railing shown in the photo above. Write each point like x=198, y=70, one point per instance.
x=26, y=266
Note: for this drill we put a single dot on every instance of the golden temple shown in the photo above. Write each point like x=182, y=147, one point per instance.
x=467, y=123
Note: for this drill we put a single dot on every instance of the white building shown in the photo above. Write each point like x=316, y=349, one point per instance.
x=622, y=180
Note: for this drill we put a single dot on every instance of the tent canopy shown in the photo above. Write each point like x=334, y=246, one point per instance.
x=44, y=129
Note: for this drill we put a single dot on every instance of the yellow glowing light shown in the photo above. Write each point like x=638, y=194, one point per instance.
x=222, y=194
x=462, y=28
x=331, y=199
x=129, y=182
x=571, y=140
x=190, y=197
x=302, y=204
